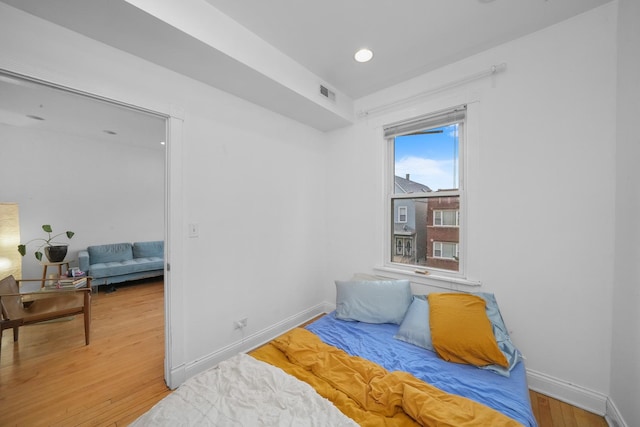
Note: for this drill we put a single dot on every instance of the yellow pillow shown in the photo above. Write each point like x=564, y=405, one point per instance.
x=461, y=331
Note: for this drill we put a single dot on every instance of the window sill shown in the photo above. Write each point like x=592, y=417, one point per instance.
x=430, y=279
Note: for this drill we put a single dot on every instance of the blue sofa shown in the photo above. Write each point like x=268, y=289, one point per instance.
x=120, y=262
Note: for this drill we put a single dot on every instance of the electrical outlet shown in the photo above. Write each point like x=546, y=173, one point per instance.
x=240, y=324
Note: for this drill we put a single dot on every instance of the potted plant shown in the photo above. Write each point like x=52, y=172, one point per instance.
x=55, y=251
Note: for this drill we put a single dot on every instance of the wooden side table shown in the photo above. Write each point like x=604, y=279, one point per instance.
x=46, y=265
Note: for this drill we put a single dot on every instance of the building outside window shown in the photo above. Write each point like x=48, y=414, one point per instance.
x=408, y=224
x=443, y=219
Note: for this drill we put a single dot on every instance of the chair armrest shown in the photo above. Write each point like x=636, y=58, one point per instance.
x=83, y=260
x=21, y=281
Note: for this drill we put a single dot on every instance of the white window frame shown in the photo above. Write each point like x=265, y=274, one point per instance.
x=402, y=209
x=424, y=275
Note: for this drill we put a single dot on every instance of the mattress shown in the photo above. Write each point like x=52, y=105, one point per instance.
x=375, y=342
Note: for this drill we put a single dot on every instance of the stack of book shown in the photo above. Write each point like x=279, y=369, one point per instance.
x=65, y=282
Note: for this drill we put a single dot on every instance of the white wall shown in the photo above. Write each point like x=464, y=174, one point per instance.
x=253, y=180
x=255, y=185
x=542, y=198
x=284, y=210
x=625, y=365
x=103, y=193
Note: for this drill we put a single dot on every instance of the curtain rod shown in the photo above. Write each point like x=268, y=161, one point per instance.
x=494, y=69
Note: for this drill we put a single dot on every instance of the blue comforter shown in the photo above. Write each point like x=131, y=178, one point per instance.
x=509, y=395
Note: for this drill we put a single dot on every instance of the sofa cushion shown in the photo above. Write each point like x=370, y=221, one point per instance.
x=114, y=252
x=148, y=249
x=135, y=265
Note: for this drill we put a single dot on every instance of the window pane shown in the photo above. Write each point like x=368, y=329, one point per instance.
x=402, y=214
x=437, y=217
x=437, y=250
x=418, y=241
x=449, y=218
x=448, y=250
x=427, y=160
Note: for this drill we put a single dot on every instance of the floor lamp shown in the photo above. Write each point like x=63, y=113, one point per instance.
x=10, y=259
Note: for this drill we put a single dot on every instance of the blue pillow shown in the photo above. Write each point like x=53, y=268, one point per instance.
x=414, y=329
x=377, y=301
x=502, y=335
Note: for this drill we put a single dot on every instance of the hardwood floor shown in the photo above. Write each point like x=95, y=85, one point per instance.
x=49, y=377
x=553, y=413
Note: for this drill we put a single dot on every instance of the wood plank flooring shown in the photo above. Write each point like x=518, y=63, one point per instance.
x=50, y=378
x=553, y=413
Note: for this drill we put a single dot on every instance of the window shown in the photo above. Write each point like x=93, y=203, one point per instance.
x=424, y=199
x=445, y=250
x=402, y=214
x=446, y=218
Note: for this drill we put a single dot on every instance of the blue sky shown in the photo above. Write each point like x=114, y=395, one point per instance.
x=430, y=159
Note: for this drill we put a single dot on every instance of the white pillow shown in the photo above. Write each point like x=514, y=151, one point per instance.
x=373, y=301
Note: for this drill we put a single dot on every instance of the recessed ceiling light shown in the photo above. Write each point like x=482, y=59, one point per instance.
x=109, y=132
x=363, y=55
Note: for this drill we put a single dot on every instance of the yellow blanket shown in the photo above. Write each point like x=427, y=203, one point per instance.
x=367, y=393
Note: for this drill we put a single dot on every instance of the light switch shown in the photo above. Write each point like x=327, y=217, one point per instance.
x=194, y=230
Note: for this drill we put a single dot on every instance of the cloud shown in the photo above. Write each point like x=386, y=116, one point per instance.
x=436, y=174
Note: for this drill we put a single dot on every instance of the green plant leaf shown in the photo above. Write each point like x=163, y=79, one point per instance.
x=46, y=241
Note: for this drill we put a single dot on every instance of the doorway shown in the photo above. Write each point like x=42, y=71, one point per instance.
x=81, y=162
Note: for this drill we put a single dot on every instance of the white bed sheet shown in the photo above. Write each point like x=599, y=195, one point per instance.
x=243, y=391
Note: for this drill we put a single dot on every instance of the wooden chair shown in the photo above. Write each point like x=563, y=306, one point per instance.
x=45, y=305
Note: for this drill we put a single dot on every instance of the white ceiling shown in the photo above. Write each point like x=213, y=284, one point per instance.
x=408, y=37
x=30, y=105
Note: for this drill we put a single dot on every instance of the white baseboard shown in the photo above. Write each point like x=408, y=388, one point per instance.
x=613, y=416
x=572, y=394
x=250, y=342
x=175, y=378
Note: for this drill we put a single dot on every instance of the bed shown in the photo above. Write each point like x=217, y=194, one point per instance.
x=376, y=370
